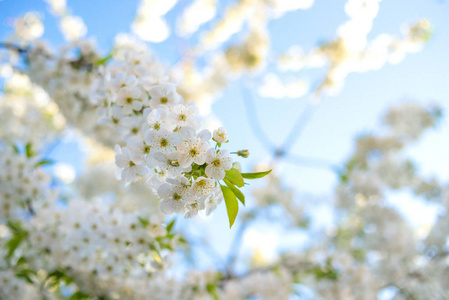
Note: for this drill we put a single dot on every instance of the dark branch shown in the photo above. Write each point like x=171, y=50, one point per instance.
x=15, y=48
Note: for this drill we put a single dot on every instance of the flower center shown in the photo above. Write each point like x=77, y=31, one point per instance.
x=182, y=117
x=164, y=100
x=129, y=100
x=177, y=197
x=193, y=152
x=216, y=163
x=164, y=143
x=157, y=126
x=201, y=184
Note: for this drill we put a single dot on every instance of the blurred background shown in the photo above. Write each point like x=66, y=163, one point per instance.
x=287, y=93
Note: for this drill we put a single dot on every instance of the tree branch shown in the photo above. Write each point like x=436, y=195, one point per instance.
x=254, y=122
x=12, y=47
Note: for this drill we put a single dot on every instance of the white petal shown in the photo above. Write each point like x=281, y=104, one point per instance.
x=165, y=191
x=210, y=171
x=167, y=207
x=210, y=155
x=128, y=175
x=137, y=105
x=199, y=159
x=185, y=160
x=187, y=133
x=174, y=139
x=121, y=161
x=205, y=135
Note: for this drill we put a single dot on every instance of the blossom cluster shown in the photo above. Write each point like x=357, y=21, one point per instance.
x=22, y=182
x=104, y=250
x=163, y=142
x=94, y=237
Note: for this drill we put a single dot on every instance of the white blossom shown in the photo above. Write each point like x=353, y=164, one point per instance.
x=218, y=162
x=220, y=135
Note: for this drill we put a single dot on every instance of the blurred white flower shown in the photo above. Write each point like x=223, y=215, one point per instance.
x=195, y=15
x=64, y=172
x=273, y=87
x=73, y=28
x=29, y=27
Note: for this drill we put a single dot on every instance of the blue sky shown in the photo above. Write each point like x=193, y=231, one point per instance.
x=422, y=77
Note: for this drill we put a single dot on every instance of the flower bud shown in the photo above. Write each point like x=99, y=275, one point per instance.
x=220, y=135
x=243, y=153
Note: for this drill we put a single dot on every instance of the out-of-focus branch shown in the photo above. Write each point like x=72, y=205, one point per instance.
x=301, y=122
x=282, y=152
x=312, y=162
x=12, y=47
x=254, y=122
x=235, y=247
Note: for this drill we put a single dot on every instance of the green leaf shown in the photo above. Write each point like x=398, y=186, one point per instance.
x=104, y=60
x=143, y=222
x=236, y=191
x=44, y=162
x=26, y=274
x=14, y=243
x=78, y=296
x=21, y=260
x=15, y=149
x=170, y=225
x=28, y=150
x=232, y=206
x=212, y=289
x=255, y=175
x=234, y=176
x=54, y=278
x=15, y=226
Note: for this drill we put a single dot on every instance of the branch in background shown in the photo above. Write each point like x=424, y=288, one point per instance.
x=254, y=122
x=301, y=122
x=235, y=247
x=15, y=48
x=312, y=162
x=283, y=151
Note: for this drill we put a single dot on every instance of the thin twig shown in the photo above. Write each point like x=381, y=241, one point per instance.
x=16, y=48
x=312, y=162
x=253, y=120
x=235, y=246
x=301, y=122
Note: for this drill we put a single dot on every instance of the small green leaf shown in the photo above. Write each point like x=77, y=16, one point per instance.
x=14, y=243
x=170, y=225
x=255, y=175
x=15, y=149
x=15, y=226
x=232, y=206
x=104, y=60
x=28, y=150
x=143, y=222
x=212, y=289
x=236, y=191
x=26, y=274
x=44, y=162
x=79, y=296
x=234, y=176
x=21, y=260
